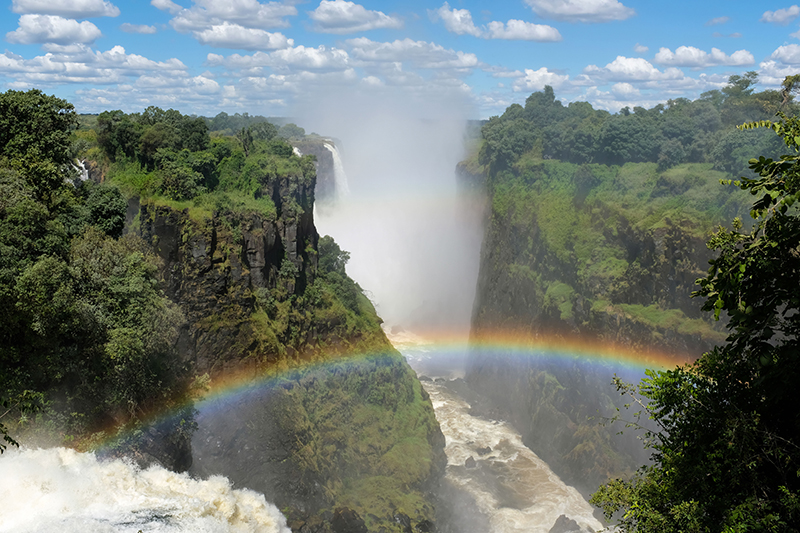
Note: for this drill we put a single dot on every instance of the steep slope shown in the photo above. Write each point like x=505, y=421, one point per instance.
x=599, y=254
x=357, y=436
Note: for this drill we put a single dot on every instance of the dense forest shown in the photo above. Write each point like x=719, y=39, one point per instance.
x=601, y=226
x=183, y=251
x=88, y=334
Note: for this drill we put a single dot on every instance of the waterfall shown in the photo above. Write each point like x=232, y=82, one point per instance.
x=59, y=490
x=340, y=178
x=80, y=167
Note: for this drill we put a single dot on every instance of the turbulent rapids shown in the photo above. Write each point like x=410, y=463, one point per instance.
x=60, y=490
x=512, y=488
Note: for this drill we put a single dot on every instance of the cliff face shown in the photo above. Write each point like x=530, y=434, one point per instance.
x=326, y=176
x=605, y=255
x=215, y=268
x=347, y=437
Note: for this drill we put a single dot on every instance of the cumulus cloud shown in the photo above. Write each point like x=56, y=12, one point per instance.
x=581, y=10
x=422, y=54
x=341, y=16
x=640, y=49
x=459, y=21
x=788, y=54
x=522, y=31
x=82, y=65
x=624, y=90
x=772, y=73
x=166, y=5
x=227, y=35
x=66, y=8
x=300, y=57
x=629, y=69
x=781, y=17
x=137, y=28
x=248, y=13
x=689, y=56
x=52, y=29
x=718, y=21
x=535, y=80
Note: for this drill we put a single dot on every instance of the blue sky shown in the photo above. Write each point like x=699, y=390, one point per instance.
x=274, y=58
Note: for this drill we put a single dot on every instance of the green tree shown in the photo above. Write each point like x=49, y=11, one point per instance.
x=727, y=456
x=35, y=139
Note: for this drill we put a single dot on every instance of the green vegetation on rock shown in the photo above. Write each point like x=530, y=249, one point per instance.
x=726, y=453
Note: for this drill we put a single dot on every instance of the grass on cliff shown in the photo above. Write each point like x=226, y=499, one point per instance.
x=577, y=220
x=374, y=454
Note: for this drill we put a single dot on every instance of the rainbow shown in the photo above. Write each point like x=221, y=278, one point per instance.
x=233, y=385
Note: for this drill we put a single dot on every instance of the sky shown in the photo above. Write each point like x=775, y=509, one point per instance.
x=281, y=57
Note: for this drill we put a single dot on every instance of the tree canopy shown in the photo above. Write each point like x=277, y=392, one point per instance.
x=727, y=456
x=86, y=334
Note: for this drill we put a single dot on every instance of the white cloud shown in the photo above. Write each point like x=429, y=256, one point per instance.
x=227, y=35
x=628, y=69
x=689, y=56
x=772, y=74
x=640, y=49
x=613, y=100
x=458, y=21
x=781, y=17
x=137, y=28
x=298, y=58
x=80, y=64
x=52, y=29
x=717, y=21
x=624, y=90
x=522, y=31
x=422, y=54
x=788, y=54
x=248, y=13
x=535, y=80
x=581, y=10
x=66, y=8
x=166, y=5
x=341, y=16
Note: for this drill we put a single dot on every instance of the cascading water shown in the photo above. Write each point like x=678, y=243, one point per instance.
x=340, y=178
x=414, y=241
x=60, y=490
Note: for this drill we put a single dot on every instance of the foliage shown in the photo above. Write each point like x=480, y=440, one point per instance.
x=85, y=332
x=727, y=457
x=680, y=131
x=35, y=139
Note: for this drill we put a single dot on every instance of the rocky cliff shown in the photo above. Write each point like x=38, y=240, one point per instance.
x=603, y=255
x=344, y=433
x=325, y=190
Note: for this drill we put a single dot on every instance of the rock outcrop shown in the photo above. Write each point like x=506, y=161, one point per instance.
x=356, y=433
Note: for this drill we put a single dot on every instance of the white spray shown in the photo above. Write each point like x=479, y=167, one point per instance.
x=339, y=176
x=414, y=241
x=62, y=491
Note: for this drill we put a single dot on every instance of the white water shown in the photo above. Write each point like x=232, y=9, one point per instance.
x=63, y=491
x=339, y=176
x=511, y=485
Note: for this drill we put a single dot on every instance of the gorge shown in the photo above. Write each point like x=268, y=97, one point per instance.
x=514, y=287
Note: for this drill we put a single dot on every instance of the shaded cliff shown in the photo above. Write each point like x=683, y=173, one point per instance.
x=603, y=255
x=332, y=436
x=325, y=190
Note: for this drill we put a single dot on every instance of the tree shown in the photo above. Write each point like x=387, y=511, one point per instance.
x=35, y=138
x=727, y=455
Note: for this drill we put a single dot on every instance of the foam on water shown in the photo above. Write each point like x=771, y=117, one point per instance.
x=60, y=490
x=513, y=487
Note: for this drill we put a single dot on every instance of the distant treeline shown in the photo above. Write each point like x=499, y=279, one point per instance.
x=173, y=155
x=678, y=131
